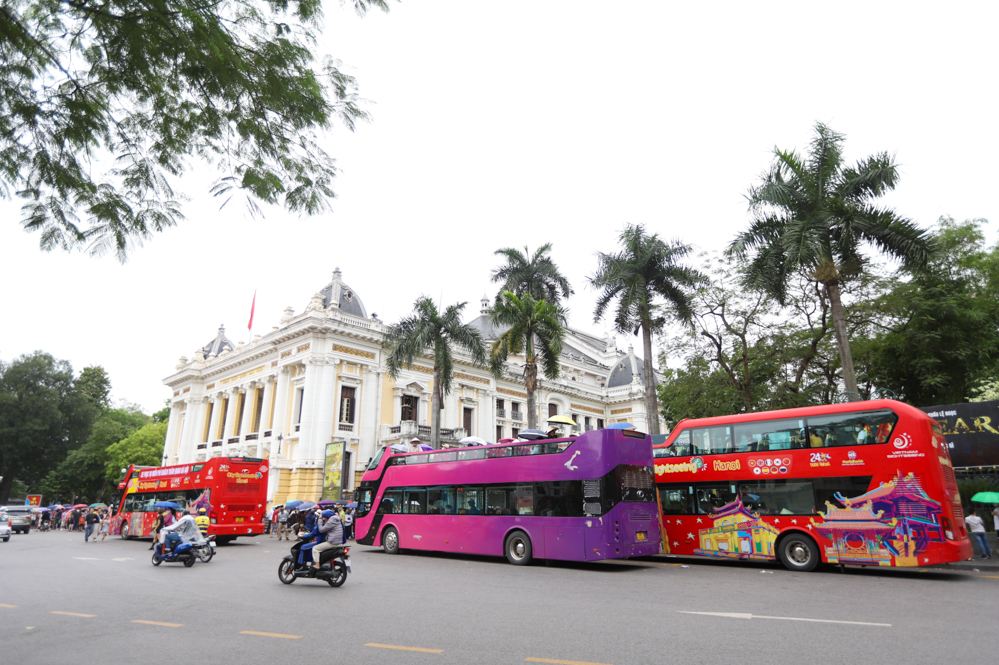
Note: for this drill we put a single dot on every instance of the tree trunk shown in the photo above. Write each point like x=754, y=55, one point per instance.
x=651, y=397
x=531, y=384
x=8, y=482
x=435, y=411
x=842, y=341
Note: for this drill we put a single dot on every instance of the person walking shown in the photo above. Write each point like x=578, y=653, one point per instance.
x=282, y=520
x=348, y=525
x=105, y=525
x=157, y=525
x=977, y=529
x=91, y=519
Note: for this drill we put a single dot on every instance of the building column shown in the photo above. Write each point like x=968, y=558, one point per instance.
x=172, y=425
x=281, y=402
x=194, y=424
x=230, y=418
x=249, y=401
x=318, y=410
x=213, y=427
x=265, y=410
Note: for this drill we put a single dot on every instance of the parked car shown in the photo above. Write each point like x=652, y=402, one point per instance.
x=4, y=526
x=20, y=518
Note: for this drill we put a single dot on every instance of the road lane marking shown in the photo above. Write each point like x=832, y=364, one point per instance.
x=737, y=615
x=123, y=559
x=3, y=605
x=287, y=637
x=392, y=646
x=73, y=614
x=991, y=577
x=560, y=662
x=86, y=558
x=158, y=623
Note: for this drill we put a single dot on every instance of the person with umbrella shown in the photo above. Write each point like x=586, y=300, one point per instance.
x=414, y=445
x=157, y=525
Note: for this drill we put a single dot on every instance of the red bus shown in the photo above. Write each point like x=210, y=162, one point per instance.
x=862, y=483
x=232, y=490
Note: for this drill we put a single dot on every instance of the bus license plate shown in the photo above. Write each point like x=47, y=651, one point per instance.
x=239, y=519
x=640, y=535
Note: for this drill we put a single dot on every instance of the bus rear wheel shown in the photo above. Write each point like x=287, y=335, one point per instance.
x=798, y=552
x=390, y=540
x=518, y=548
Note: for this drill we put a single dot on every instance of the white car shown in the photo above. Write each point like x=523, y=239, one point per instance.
x=4, y=527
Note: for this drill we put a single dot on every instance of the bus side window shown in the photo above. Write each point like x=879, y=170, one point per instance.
x=681, y=445
x=711, y=440
x=710, y=497
x=767, y=435
x=391, y=502
x=674, y=499
x=853, y=429
x=415, y=501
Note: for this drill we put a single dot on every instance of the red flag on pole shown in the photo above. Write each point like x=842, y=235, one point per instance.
x=253, y=306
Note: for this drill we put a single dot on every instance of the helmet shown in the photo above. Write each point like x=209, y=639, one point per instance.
x=201, y=511
x=327, y=514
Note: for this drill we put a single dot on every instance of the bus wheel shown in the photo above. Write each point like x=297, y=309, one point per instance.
x=798, y=552
x=518, y=548
x=390, y=540
x=124, y=532
x=224, y=540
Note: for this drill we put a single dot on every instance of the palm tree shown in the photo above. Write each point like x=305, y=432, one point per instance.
x=647, y=269
x=811, y=215
x=424, y=330
x=537, y=329
x=537, y=275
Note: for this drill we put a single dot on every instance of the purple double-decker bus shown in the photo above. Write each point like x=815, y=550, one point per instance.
x=578, y=499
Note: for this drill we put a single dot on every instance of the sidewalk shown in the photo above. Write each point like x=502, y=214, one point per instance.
x=978, y=562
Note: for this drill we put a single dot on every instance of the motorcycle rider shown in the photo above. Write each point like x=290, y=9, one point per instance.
x=333, y=530
x=183, y=530
x=203, y=521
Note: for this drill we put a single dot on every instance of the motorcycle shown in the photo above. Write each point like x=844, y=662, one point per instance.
x=334, y=564
x=205, y=549
x=183, y=553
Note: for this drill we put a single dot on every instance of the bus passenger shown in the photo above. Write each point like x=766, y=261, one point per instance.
x=815, y=441
x=472, y=510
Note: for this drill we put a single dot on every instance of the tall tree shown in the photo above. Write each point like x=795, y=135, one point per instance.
x=536, y=330
x=96, y=385
x=103, y=104
x=534, y=274
x=813, y=215
x=934, y=331
x=143, y=446
x=429, y=330
x=42, y=415
x=648, y=288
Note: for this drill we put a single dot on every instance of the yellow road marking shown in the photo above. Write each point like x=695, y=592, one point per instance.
x=253, y=632
x=392, y=646
x=159, y=623
x=3, y=605
x=991, y=577
x=561, y=662
x=73, y=614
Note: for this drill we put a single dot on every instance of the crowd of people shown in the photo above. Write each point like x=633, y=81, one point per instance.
x=288, y=523
x=92, y=522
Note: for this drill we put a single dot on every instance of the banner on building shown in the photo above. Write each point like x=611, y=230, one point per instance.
x=333, y=472
x=34, y=500
x=971, y=430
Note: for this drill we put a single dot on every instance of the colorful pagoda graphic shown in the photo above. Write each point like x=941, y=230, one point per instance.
x=889, y=525
x=737, y=533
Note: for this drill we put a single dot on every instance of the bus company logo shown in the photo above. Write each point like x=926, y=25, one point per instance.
x=852, y=454
x=820, y=459
x=902, y=442
x=719, y=465
x=223, y=467
x=263, y=468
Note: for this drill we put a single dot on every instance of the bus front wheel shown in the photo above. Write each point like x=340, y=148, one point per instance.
x=518, y=548
x=390, y=541
x=798, y=552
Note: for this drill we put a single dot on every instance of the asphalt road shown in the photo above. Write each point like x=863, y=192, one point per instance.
x=65, y=602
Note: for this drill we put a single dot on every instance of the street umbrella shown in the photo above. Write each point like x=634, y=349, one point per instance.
x=326, y=502
x=294, y=503
x=308, y=505
x=532, y=434
x=620, y=426
x=507, y=440
x=80, y=505
x=986, y=497
x=473, y=441
x=98, y=505
x=166, y=504
x=36, y=509
x=563, y=420
x=426, y=446
x=56, y=506
x=400, y=447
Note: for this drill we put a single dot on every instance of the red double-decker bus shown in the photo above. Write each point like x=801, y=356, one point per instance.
x=232, y=490
x=867, y=483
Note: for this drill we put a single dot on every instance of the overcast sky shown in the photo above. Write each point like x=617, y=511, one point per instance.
x=508, y=123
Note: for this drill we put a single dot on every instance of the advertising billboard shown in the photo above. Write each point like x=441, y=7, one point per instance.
x=971, y=430
x=333, y=472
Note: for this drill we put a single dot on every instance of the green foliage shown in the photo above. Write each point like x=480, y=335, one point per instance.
x=933, y=335
x=812, y=216
x=534, y=328
x=537, y=276
x=163, y=415
x=43, y=414
x=96, y=385
x=650, y=288
x=82, y=474
x=969, y=487
x=103, y=105
x=144, y=446
x=428, y=329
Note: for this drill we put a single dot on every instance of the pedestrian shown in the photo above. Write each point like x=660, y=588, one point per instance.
x=977, y=529
x=91, y=519
x=283, y=524
x=105, y=525
x=157, y=525
x=273, y=519
x=414, y=445
x=83, y=518
x=348, y=525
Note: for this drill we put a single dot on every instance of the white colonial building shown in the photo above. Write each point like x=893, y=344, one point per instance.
x=320, y=376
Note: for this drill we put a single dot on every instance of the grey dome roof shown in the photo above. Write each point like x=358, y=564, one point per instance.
x=628, y=368
x=218, y=345
x=344, y=297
